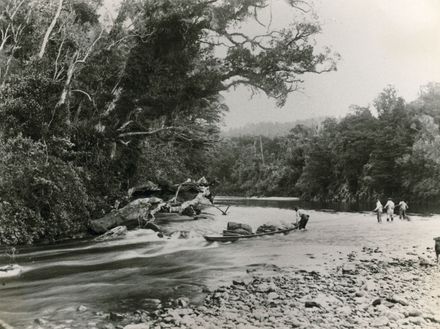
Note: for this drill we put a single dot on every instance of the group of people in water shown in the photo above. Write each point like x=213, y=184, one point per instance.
x=389, y=207
x=302, y=218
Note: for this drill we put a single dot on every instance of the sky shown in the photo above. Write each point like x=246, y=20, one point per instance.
x=381, y=42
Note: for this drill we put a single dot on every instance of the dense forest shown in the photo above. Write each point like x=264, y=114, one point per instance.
x=389, y=150
x=92, y=105
x=269, y=129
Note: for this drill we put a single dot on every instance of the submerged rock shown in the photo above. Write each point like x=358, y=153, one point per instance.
x=81, y=308
x=115, y=233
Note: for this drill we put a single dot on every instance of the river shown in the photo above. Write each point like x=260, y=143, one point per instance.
x=124, y=275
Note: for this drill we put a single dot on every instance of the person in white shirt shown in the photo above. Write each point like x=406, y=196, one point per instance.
x=302, y=218
x=389, y=206
x=403, y=206
x=379, y=211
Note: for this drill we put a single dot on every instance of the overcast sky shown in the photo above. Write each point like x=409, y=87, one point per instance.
x=381, y=42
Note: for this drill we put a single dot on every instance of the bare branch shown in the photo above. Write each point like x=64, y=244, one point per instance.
x=84, y=93
x=150, y=132
x=58, y=57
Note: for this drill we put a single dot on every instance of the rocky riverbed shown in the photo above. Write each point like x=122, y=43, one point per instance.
x=369, y=290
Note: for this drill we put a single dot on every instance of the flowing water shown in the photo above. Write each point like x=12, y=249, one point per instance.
x=124, y=275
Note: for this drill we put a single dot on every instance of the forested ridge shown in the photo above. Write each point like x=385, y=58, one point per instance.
x=92, y=105
x=269, y=129
x=391, y=149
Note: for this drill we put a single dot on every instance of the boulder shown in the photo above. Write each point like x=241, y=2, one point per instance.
x=145, y=190
x=128, y=216
x=107, y=222
x=118, y=232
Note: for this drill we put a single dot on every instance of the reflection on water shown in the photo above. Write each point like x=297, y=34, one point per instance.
x=289, y=203
x=124, y=274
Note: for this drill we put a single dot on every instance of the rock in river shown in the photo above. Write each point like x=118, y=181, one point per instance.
x=115, y=233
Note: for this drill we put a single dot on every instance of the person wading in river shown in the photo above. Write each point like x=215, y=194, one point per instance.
x=389, y=206
x=301, y=219
x=403, y=206
x=379, y=211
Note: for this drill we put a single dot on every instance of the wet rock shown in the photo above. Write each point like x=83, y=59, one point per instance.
x=118, y=232
x=397, y=299
x=151, y=303
x=127, y=216
x=206, y=290
x=81, y=308
x=38, y=321
x=310, y=304
x=182, y=301
x=116, y=316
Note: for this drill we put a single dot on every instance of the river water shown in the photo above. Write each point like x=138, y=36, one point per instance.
x=123, y=275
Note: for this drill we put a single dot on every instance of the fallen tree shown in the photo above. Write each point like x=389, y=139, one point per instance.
x=143, y=210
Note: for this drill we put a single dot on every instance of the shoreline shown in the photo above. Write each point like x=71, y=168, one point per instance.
x=369, y=290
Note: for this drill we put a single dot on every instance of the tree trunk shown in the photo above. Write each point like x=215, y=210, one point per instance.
x=49, y=30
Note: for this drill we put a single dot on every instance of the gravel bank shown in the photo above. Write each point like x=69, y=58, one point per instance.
x=370, y=290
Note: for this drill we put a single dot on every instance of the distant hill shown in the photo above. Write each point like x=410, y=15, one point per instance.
x=270, y=129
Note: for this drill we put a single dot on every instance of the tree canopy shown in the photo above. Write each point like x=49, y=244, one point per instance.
x=103, y=104
x=391, y=150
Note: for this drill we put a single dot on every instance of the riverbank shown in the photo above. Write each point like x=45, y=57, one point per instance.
x=370, y=290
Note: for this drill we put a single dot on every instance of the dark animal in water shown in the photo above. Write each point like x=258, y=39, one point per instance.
x=437, y=247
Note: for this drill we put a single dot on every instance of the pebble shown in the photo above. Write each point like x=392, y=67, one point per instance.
x=137, y=326
x=384, y=296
